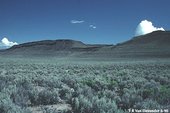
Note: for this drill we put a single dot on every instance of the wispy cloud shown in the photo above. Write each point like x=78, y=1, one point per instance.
x=77, y=21
x=6, y=43
x=145, y=27
x=92, y=26
x=82, y=21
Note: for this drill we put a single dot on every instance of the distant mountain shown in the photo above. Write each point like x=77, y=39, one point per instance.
x=48, y=45
x=63, y=48
x=155, y=44
x=152, y=39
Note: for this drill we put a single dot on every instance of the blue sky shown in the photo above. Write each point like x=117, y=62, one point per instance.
x=89, y=21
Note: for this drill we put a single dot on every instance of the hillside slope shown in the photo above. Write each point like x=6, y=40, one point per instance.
x=155, y=44
x=55, y=48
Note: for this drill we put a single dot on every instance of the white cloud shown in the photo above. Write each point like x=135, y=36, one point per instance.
x=5, y=42
x=145, y=27
x=92, y=26
x=76, y=21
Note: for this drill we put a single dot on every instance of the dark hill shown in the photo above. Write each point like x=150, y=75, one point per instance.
x=63, y=47
x=64, y=44
x=154, y=38
x=155, y=44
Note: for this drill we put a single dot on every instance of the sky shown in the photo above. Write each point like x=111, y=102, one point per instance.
x=89, y=21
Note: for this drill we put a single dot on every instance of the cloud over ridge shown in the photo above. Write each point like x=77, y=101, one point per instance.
x=145, y=27
x=5, y=42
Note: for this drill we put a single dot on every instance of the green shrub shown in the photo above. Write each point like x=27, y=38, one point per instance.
x=7, y=106
x=148, y=104
x=164, y=95
x=48, y=97
x=104, y=105
x=151, y=90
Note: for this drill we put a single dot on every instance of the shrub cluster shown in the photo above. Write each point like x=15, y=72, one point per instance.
x=94, y=88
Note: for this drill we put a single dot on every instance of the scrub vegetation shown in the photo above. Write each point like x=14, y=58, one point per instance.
x=54, y=86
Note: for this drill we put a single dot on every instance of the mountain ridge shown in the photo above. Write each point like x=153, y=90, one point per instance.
x=153, y=44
